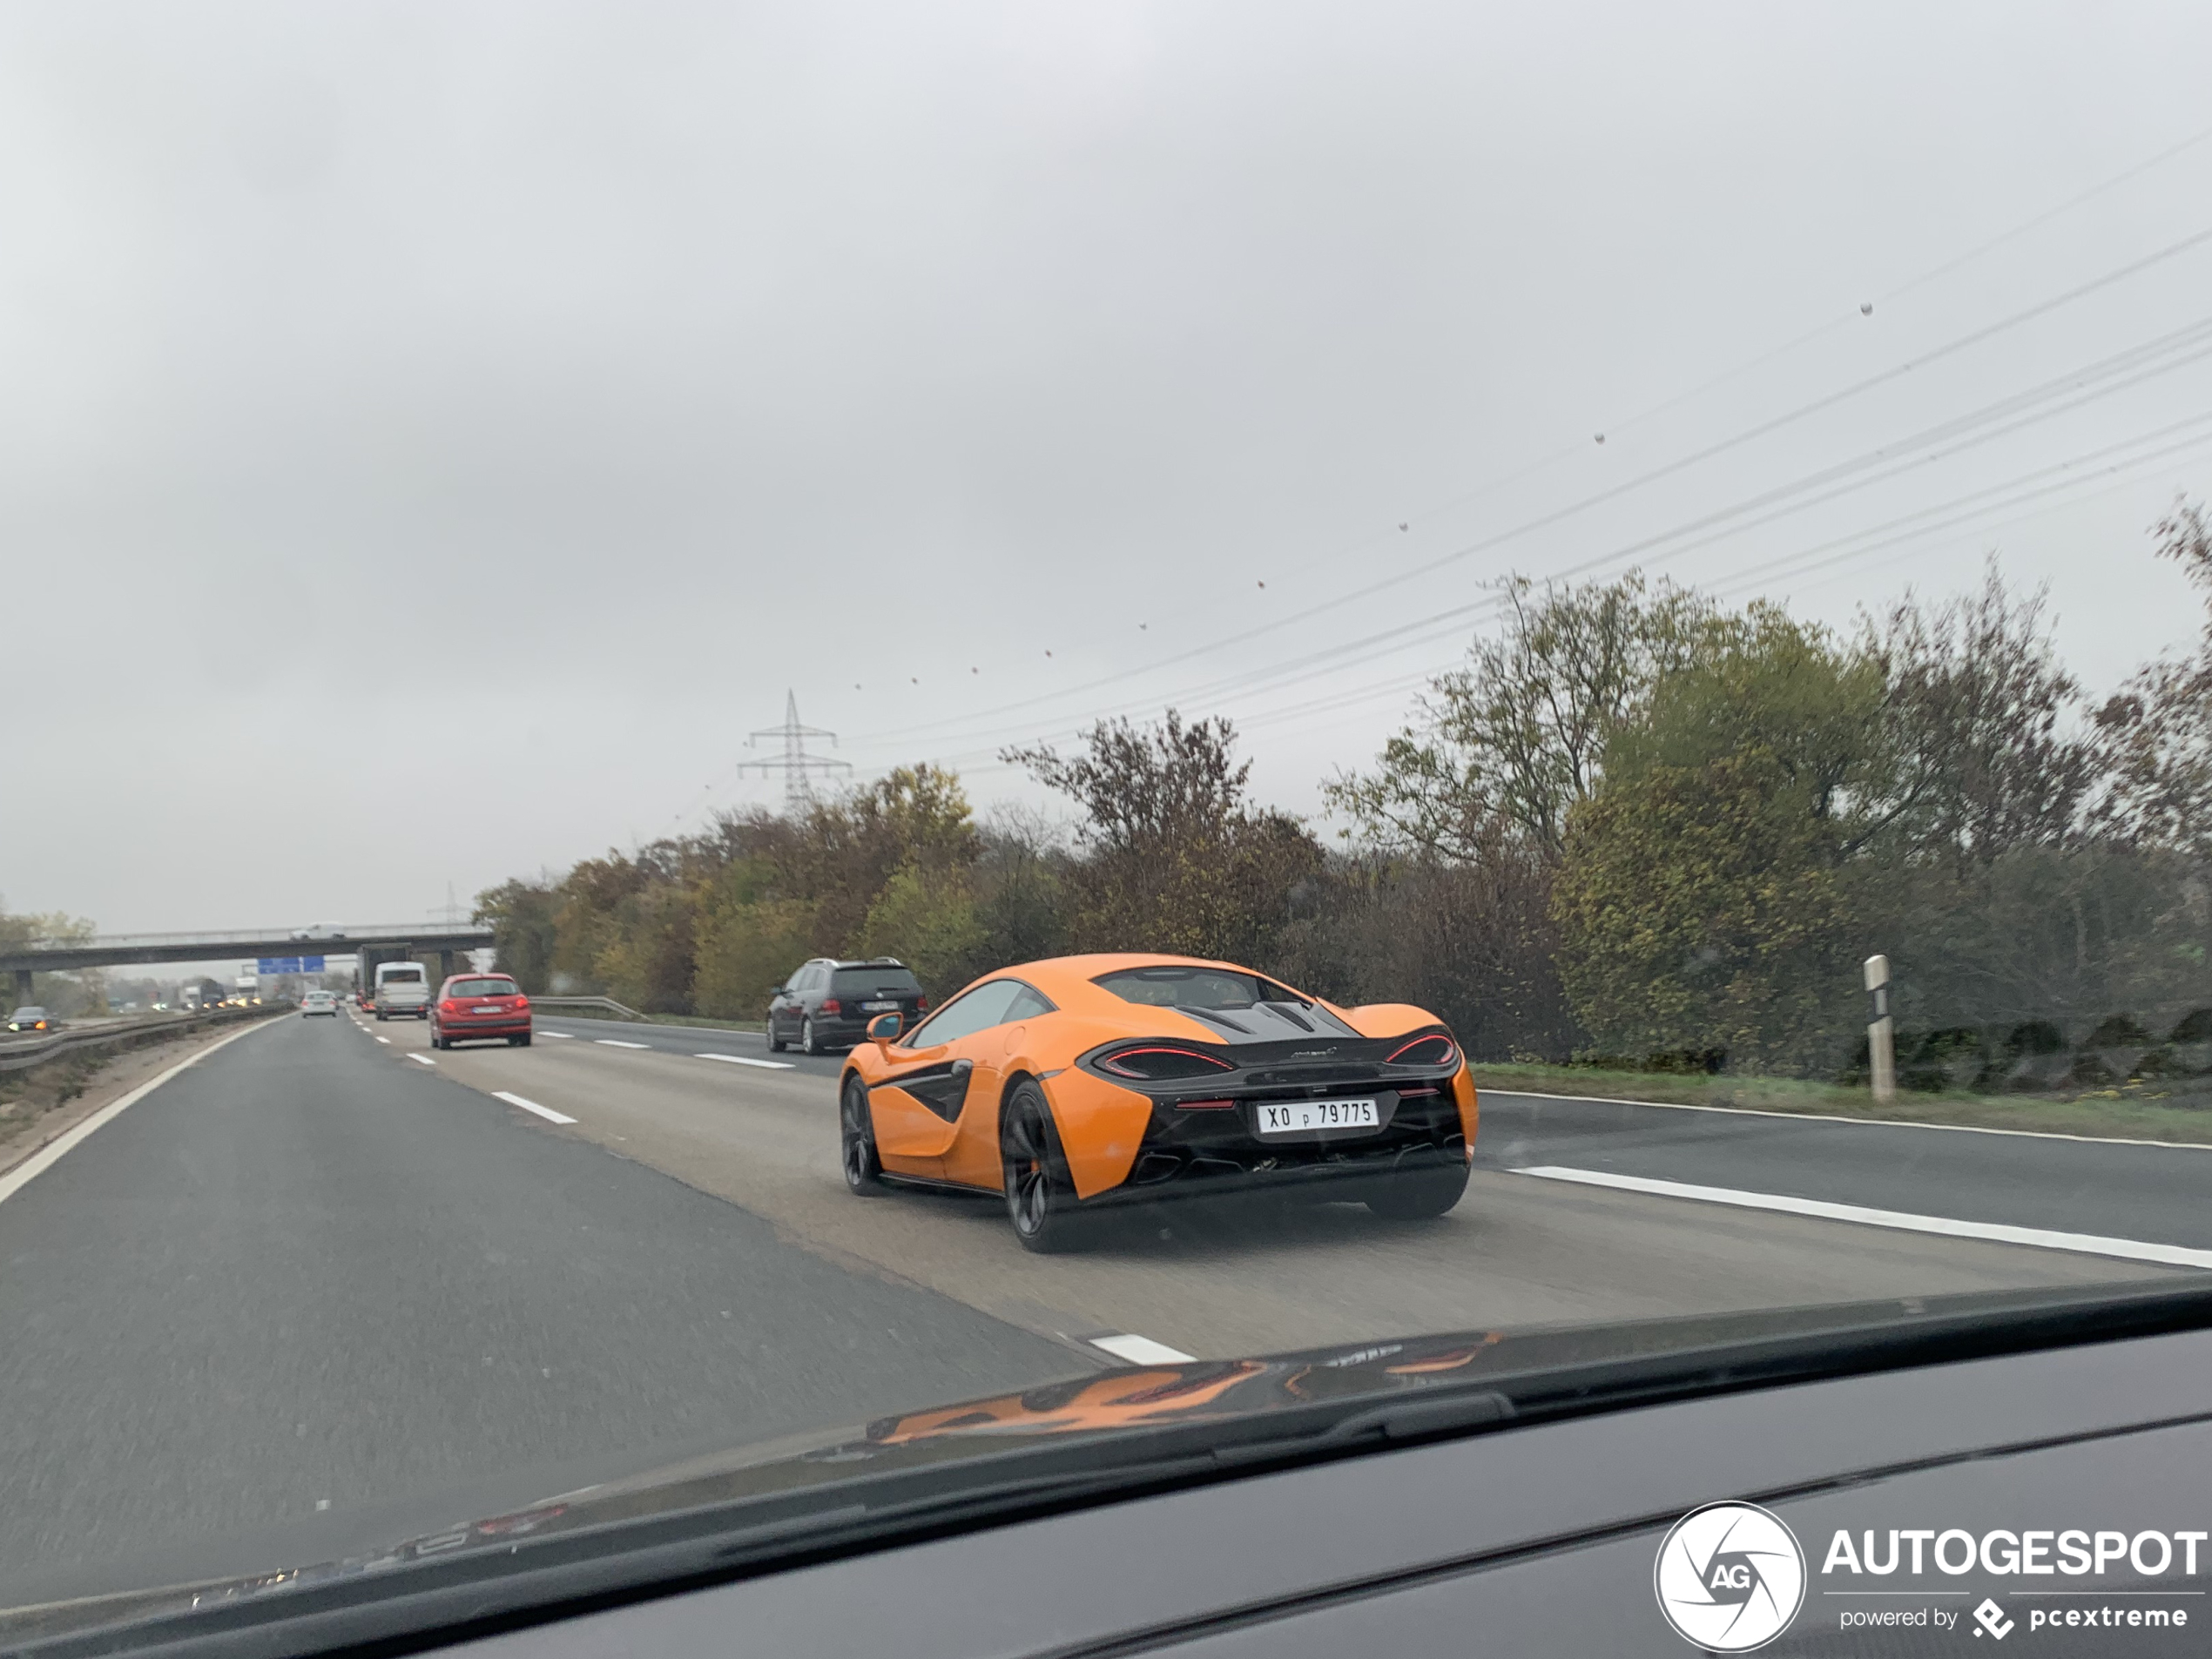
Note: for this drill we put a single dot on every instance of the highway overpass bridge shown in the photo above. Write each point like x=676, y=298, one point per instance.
x=439, y=944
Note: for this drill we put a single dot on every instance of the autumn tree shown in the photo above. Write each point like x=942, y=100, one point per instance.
x=1175, y=857
x=1703, y=899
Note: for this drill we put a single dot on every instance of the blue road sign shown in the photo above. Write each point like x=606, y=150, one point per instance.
x=291, y=965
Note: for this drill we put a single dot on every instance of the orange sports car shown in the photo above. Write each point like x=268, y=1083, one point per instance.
x=1083, y=1082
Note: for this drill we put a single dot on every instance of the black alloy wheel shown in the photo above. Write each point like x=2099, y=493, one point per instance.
x=1421, y=1195
x=856, y=1151
x=1040, y=1194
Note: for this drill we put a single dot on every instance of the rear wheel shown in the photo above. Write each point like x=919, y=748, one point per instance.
x=436, y=1042
x=1421, y=1195
x=856, y=1141
x=523, y=1041
x=806, y=1043
x=1040, y=1195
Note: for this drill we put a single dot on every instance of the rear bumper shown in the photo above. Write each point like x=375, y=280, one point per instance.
x=1188, y=1153
x=455, y=1032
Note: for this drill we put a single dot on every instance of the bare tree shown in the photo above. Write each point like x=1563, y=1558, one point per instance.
x=1518, y=734
x=1981, y=716
x=2156, y=733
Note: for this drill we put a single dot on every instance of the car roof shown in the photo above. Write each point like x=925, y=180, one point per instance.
x=28, y=1007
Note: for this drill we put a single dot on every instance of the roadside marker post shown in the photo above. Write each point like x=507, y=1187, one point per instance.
x=1880, y=1042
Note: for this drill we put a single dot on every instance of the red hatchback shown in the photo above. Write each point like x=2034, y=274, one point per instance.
x=471, y=1007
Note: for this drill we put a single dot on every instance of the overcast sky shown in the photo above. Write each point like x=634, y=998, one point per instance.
x=433, y=436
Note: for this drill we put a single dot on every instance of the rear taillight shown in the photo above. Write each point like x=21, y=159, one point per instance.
x=921, y=1005
x=831, y=1005
x=448, y=1007
x=1434, y=1049
x=521, y=1005
x=1154, y=1065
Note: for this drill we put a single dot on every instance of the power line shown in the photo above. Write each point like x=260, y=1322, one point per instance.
x=2115, y=372
x=2012, y=492
x=1912, y=284
x=1545, y=521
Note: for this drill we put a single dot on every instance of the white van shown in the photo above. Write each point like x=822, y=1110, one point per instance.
x=402, y=988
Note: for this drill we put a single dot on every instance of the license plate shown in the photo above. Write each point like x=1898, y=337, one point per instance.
x=1303, y=1117
x=879, y=1008
x=491, y=1007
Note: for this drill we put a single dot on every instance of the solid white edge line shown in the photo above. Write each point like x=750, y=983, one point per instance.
x=545, y=1112
x=1863, y=1123
x=422, y=1060
x=51, y=1154
x=616, y=1042
x=747, y=1060
x=1994, y=1232
x=1141, y=1350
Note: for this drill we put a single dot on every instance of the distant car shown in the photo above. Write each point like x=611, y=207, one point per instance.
x=475, y=1008
x=32, y=1019
x=318, y=1002
x=402, y=988
x=323, y=930
x=827, y=1004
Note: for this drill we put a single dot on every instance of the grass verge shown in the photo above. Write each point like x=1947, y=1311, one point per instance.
x=2162, y=1112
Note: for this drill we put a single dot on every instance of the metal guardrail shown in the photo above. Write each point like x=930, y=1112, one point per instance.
x=22, y=1056
x=588, y=1002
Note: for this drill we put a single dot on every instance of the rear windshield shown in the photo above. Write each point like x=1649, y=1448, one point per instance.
x=485, y=987
x=1195, y=987
x=402, y=976
x=867, y=982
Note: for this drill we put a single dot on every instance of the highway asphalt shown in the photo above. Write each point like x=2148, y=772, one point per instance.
x=302, y=1273
x=327, y=1265
x=2111, y=1189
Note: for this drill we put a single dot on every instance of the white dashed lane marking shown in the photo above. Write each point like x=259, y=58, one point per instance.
x=383, y=1038
x=419, y=1059
x=545, y=1112
x=1141, y=1350
x=747, y=1060
x=616, y=1042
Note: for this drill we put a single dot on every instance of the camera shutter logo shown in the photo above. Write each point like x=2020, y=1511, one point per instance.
x=1730, y=1577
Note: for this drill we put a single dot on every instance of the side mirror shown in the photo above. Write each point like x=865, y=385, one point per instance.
x=883, y=1029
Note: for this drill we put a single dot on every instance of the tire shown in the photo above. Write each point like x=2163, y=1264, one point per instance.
x=806, y=1043
x=1040, y=1194
x=856, y=1153
x=523, y=1041
x=1421, y=1195
x=776, y=1044
x=380, y=1016
x=436, y=1042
